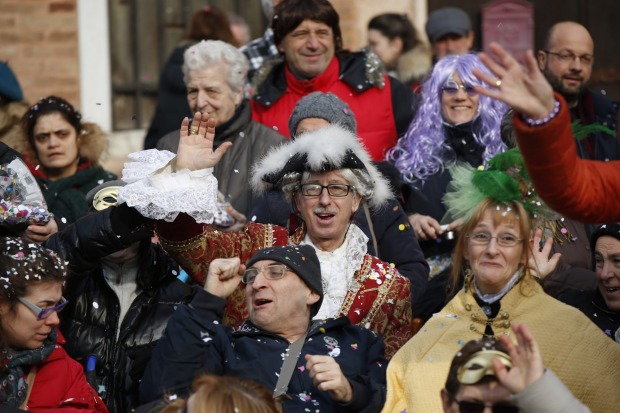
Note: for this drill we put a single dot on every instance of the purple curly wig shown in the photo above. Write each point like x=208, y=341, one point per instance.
x=423, y=152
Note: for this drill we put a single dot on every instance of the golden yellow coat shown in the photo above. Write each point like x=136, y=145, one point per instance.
x=586, y=360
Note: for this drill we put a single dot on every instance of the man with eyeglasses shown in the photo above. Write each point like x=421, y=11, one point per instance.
x=566, y=61
x=495, y=375
x=390, y=237
x=325, y=365
x=326, y=175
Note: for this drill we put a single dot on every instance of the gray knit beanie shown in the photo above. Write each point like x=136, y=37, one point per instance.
x=323, y=106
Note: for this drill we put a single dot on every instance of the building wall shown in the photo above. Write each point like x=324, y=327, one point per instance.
x=39, y=39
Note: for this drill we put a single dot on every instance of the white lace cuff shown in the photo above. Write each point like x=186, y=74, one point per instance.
x=158, y=193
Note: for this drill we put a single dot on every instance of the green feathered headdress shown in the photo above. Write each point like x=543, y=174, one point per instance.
x=504, y=180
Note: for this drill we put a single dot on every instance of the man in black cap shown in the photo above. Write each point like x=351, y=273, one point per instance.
x=327, y=365
x=449, y=31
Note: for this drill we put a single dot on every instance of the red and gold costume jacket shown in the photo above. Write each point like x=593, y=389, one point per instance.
x=380, y=299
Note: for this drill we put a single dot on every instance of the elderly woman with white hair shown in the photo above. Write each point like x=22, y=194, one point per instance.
x=214, y=73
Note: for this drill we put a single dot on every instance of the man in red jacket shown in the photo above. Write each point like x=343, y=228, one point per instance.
x=307, y=34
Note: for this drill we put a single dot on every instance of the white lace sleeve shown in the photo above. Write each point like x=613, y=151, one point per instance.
x=158, y=193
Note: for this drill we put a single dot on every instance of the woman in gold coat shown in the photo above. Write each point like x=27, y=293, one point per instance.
x=499, y=209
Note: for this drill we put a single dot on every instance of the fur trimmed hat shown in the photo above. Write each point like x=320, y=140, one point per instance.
x=323, y=150
x=302, y=260
x=323, y=106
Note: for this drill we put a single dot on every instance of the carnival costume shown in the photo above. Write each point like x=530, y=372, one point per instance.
x=377, y=296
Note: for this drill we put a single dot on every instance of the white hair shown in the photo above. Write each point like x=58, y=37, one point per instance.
x=208, y=53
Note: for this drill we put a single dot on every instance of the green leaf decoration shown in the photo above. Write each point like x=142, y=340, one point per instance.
x=497, y=185
x=580, y=131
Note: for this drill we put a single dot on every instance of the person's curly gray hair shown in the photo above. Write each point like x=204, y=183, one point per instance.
x=208, y=53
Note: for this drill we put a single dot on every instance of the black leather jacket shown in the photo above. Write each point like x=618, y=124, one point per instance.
x=90, y=320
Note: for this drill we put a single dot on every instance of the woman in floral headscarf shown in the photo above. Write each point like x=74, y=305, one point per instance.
x=36, y=374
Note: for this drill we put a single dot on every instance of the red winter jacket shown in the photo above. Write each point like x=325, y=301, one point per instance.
x=60, y=386
x=583, y=190
x=382, y=114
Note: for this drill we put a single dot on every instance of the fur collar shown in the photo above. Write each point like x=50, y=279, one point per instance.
x=414, y=64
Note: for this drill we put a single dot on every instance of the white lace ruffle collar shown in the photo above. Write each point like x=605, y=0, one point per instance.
x=338, y=268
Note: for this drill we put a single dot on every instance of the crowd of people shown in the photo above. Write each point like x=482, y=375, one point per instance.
x=409, y=227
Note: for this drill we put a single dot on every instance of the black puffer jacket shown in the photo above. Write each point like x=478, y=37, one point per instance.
x=90, y=320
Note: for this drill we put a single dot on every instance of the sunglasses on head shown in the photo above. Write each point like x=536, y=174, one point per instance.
x=466, y=406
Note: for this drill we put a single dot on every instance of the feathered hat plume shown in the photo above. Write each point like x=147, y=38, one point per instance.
x=504, y=180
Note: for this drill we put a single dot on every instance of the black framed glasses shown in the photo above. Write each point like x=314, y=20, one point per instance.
x=43, y=313
x=503, y=240
x=334, y=190
x=569, y=57
x=466, y=406
x=271, y=272
x=452, y=88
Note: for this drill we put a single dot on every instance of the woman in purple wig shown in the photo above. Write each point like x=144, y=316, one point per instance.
x=453, y=123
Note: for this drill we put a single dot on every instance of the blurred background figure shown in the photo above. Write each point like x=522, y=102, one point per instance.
x=36, y=374
x=394, y=39
x=239, y=28
x=208, y=23
x=12, y=106
x=224, y=394
x=63, y=154
x=262, y=49
x=449, y=31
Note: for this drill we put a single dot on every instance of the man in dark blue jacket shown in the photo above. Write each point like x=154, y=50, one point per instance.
x=337, y=366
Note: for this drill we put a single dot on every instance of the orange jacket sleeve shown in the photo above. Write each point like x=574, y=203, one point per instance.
x=583, y=190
